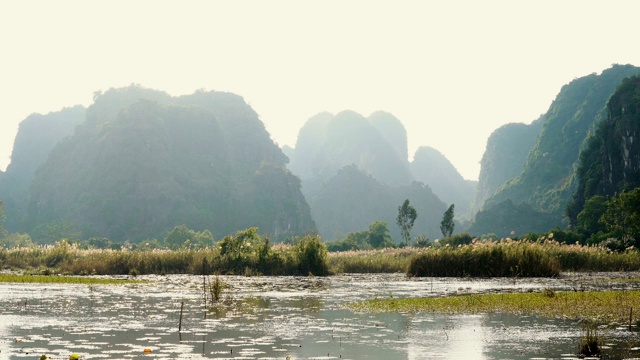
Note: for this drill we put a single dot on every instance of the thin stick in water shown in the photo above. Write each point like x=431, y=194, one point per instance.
x=180, y=323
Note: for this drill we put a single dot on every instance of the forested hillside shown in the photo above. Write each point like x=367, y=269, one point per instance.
x=143, y=162
x=504, y=158
x=352, y=200
x=430, y=167
x=610, y=162
x=36, y=136
x=548, y=182
x=548, y=179
x=355, y=170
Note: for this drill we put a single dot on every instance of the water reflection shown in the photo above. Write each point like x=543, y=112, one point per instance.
x=271, y=318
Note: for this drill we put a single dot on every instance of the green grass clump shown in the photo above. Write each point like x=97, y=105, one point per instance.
x=590, y=341
x=371, y=261
x=501, y=259
x=245, y=253
x=603, y=307
x=543, y=257
x=54, y=279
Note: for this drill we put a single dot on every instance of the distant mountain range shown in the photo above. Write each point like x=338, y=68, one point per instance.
x=138, y=162
x=355, y=170
x=141, y=162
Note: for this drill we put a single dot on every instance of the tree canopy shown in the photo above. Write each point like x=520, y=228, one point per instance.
x=447, y=225
x=406, y=217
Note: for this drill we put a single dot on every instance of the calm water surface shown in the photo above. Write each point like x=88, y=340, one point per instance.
x=276, y=317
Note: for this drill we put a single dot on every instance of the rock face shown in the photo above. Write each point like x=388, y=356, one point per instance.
x=610, y=161
x=504, y=158
x=548, y=180
x=429, y=166
x=144, y=162
x=392, y=131
x=355, y=170
x=326, y=143
x=36, y=137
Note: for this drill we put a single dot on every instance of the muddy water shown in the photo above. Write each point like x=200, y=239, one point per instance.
x=280, y=317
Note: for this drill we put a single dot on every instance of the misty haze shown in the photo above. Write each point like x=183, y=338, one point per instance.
x=293, y=180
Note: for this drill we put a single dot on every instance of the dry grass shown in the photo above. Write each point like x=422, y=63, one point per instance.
x=542, y=257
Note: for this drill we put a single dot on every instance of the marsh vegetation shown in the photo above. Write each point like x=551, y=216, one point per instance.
x=247, y=253
x=304, y=317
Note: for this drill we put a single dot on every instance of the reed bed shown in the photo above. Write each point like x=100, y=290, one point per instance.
x=600, y=307
x=504, y=258
x=523, y=258
x=486, y=259
x=593, y=258
x=371, y=261
x=307, y=257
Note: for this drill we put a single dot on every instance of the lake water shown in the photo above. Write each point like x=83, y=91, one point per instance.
x=280, y=317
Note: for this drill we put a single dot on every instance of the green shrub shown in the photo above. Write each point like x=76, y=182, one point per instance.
x=460, y=239
x=310, y=255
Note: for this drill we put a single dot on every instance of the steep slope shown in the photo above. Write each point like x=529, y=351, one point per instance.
x=144, y=162
x=548, y=181
x=504, y=158
x=36, y=136
x=610, y=162
x=327, y=143
x=434, y=169
x=392, y=131
x=351, y=200
x=507, y=219
x=288, y=151
x=309, y=146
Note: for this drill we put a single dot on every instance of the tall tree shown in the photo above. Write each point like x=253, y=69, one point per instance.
x=406, y=217
x=379, y=236
x=178, y=236
x=2, y=219
x=447, y=224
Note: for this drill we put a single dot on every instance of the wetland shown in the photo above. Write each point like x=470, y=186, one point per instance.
x=296, y=318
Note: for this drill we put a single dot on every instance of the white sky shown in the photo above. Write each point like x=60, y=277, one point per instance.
x=451, y=71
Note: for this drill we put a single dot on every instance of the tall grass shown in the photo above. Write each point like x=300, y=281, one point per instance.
x=508, y=258
x=501, y=259
x=248, y=254
x=371, y=261
x=244, y=254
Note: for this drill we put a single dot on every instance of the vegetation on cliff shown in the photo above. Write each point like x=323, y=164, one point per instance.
x=143, y=162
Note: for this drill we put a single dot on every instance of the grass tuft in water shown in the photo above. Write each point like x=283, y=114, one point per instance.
x=602, y=307
x=55, y=279
x=216, y=287
x=590, y=342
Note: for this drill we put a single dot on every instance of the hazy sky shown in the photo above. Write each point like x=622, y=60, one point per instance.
x=451, y=71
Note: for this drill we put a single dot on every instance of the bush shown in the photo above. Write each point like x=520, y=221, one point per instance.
x=310, y=255
x=460, y=239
